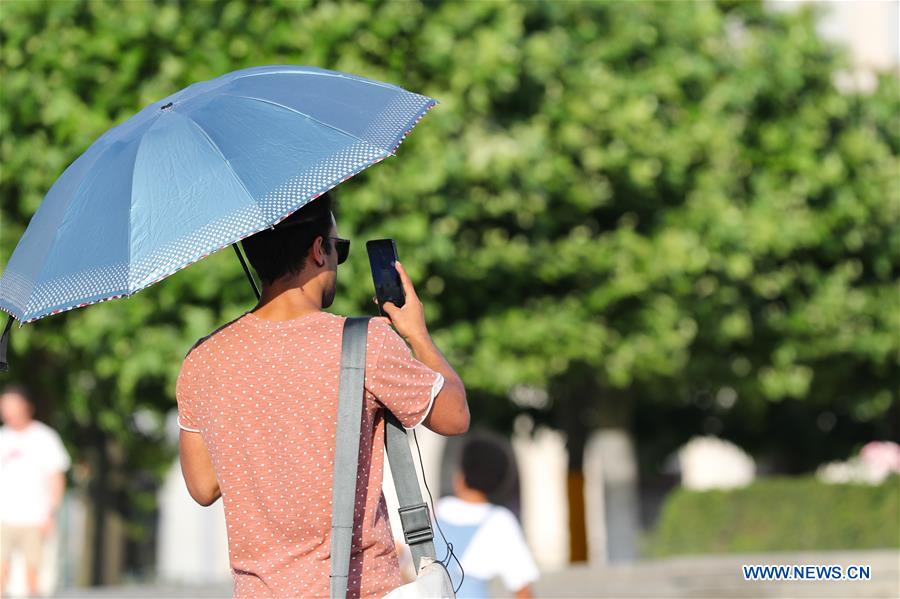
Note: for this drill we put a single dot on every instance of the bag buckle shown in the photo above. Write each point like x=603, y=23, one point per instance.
x=416, y=523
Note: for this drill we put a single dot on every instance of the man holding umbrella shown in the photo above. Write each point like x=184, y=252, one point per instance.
x=257, y=402
x=247, y=156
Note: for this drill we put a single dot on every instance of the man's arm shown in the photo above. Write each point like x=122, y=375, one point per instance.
x=57, y=489
x=449, y=413
x=197, y=469
x=56, y=485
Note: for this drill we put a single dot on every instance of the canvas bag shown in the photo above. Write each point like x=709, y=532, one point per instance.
x=432, y=578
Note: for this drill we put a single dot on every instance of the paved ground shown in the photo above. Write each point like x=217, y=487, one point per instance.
x=714, y=577
x=721, y=577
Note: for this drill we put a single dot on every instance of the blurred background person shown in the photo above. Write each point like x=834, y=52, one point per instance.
x=486, y=538
x=33, y=463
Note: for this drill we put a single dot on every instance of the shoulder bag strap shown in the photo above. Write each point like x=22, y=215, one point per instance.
x=346, y=452
x=414, y=515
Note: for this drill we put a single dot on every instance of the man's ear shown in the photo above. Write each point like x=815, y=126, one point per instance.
x=318, y=251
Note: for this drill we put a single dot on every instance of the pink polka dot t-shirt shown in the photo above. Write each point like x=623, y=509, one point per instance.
x=263, y=394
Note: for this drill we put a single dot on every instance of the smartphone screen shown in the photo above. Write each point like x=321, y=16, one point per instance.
x=388, y=288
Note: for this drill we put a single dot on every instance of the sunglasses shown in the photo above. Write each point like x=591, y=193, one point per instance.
x=343, y=248
x=340, y=244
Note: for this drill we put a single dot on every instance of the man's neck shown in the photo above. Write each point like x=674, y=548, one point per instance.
x=471, y=496
x=22, y=428
x=284, y=301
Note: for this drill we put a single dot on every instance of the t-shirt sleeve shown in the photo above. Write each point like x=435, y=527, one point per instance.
x=184, y=395
x=399, y=382
x=57, y=458
x=516, y=565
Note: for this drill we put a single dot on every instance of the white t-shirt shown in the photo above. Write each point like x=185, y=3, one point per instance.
x=28, y=458
x=498, y=548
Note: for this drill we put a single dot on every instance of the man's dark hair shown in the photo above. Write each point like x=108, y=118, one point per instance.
x=20, y=390
x=274, y=253
x=485, y=465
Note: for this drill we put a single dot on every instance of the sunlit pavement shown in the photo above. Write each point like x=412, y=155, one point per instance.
x=717, y=577
x=721, y=577
x=162, y=591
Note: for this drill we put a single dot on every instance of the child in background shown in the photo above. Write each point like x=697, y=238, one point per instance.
x=487, y=539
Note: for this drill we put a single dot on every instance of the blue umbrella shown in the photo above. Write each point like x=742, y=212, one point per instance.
x=193, y=173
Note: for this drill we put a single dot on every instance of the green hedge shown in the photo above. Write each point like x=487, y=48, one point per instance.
x=779, y=514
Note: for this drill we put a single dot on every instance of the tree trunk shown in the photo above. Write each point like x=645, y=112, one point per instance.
x=576, y=426
x=99, y=495
x=578, y=548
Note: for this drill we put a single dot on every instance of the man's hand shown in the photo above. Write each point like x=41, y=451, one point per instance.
x=57, y=488
x=410, y=319
x=48, y=525
x=449, y=413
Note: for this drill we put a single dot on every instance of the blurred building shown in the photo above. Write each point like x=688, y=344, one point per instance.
x=192, y=545
x=869, y=29
x=712, y=463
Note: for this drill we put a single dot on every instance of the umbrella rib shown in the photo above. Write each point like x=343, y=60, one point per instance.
x=218, y=150
x=63, y=213
x=312, y=118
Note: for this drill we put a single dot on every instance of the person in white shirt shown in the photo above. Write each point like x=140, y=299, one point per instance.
x=486, y=538
x=33, y=463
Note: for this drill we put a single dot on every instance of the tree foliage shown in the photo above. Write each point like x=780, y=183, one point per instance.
x=662, y=209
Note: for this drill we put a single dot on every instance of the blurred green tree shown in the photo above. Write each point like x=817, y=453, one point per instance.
x=661, y=216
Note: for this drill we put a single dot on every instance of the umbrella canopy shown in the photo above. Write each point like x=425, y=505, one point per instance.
x=195, y=172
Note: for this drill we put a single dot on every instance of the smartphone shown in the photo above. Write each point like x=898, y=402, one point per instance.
x=388, y=288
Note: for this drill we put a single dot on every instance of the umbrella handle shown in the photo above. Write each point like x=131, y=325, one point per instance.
x=4, y=344
x=246, y=270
